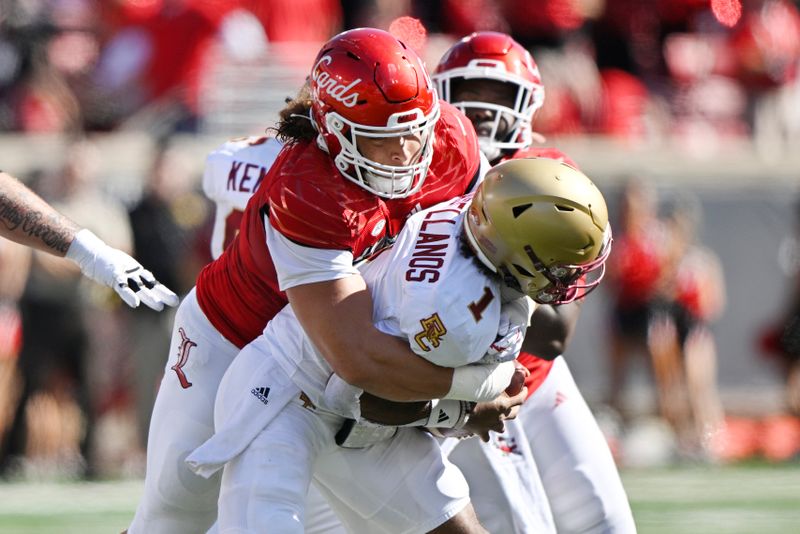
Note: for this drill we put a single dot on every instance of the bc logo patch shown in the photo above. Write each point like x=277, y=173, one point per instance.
x=433, y=330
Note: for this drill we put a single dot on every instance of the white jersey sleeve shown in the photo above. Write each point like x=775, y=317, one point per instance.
x=232, y=174
x=455, y=323
x=296, y=264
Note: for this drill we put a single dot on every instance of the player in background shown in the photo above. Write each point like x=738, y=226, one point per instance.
x=635, y=277
x=535, y=227
x=692, y=296
x=30, y=221
x=496, y=82
x=368, y=146
x=232, y=174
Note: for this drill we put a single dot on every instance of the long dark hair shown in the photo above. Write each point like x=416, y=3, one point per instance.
x=295, y=119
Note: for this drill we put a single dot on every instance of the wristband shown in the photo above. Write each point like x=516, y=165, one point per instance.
x=449, y=413
x=84, y=248
x=480, y=383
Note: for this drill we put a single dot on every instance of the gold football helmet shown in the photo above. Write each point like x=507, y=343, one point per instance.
x=543, y=226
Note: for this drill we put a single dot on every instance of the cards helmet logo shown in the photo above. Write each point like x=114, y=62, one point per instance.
x=338, y=91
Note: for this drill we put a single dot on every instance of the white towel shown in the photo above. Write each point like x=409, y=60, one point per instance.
x=253, y=391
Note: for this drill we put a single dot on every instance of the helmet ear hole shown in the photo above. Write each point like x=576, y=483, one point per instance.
x=519, y=210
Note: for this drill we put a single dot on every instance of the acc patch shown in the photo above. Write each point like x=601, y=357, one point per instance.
x=433, y=330
x=378, y=228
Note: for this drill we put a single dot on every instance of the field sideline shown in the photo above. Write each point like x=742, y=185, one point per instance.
x=699, y=500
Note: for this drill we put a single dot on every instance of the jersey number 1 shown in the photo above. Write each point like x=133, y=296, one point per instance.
x=477, y=308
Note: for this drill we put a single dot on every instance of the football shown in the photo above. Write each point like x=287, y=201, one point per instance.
x=518, y=379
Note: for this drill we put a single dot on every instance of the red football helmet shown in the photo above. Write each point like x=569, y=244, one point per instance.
x=367, y=83
x=495, y=56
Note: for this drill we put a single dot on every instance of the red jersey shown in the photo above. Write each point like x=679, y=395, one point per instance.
x=543, y=152
x=688, y=293
x=638, y=261
x=539, y=369
x=310, y=203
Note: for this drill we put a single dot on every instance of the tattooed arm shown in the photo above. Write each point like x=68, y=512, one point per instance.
x=29, y=220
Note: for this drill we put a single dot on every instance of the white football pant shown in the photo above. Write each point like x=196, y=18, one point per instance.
x=575, y=464
x=175, y=500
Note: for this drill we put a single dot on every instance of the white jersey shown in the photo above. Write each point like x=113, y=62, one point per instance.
x=232, y=174
x=424, y=290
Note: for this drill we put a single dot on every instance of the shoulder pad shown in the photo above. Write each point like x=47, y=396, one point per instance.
x=311, y=204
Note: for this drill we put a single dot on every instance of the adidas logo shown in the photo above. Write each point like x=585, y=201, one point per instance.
x=560, y=399
x=442, y=417
x=261, y=394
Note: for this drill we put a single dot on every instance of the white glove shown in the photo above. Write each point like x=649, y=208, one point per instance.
x=114, y=268
x=515, y=317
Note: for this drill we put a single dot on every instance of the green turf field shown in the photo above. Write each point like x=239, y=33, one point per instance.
x=752, y=499
x=733, y=500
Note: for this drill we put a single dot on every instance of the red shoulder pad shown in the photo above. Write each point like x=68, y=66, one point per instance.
x=456, y=153
x=312, y=204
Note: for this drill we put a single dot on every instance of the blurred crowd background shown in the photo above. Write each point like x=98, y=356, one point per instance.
x=685, y=112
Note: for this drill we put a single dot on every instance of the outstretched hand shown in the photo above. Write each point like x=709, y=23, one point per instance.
x=134, y=284
x=116, y=269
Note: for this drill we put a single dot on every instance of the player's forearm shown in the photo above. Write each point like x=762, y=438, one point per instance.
x=387, y=368
x=386, y=412
x=337, y=317
x=29, y=220
x=383, y=365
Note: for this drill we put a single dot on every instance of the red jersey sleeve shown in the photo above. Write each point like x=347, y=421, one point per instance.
x=457, y=156
x=311, y=204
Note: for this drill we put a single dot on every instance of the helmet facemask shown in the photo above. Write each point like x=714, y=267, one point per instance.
x=387, y=181
x=561, y=283
x=529, y=98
